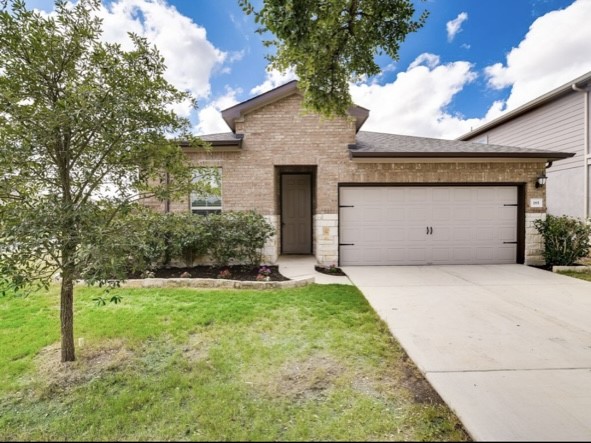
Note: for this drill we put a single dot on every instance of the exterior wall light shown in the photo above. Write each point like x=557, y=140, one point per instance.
x=541, y=181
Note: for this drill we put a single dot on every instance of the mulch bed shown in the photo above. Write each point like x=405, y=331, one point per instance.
x=330, y=270
x=236, y=272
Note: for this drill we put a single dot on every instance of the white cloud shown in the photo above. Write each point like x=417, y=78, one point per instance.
x=190, y=58
x=555, y=50
x=425, y=59
x=274, y=78
x=454, y=26
x=415, y=102
x=210, y=117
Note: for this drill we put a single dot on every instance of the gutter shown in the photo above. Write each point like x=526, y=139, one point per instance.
x=455, y=155
x=586, y=153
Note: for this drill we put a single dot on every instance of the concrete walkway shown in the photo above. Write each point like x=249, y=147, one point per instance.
x=302, y=266
x=508, y=347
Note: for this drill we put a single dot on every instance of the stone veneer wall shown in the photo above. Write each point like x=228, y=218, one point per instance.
x=279, y=137
x=534, y=243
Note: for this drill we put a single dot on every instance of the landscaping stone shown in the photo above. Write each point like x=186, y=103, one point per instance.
x=213, y=283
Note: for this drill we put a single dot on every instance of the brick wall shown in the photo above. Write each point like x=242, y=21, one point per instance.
x=280, y=135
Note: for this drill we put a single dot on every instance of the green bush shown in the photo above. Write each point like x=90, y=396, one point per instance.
x=237, y=237
x=187, y=237
x=228, y=237
x=143, y=240
x=566, y=239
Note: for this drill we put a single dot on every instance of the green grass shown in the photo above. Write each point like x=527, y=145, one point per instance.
x=313, y=363
x=581, y=275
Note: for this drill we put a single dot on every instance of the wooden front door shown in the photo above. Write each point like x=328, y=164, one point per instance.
x=296, y=213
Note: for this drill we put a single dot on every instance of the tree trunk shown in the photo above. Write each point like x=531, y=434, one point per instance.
x=67, y=317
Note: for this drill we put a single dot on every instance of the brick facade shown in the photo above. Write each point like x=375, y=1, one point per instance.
x=281, y=137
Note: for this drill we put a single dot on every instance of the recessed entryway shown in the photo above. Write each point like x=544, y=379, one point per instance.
x=419, y=225
x=296, y=213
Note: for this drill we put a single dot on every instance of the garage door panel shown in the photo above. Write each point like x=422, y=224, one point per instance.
x=467, y=225
x=507, y=233
x=507, y=194
x=487, y=234
x=463, y=254
x=394, y=214
x=486, y=254
x=416, y=234
x=418, y=214
x=395, y=195
x=462, y=234
x=441, y=214
x=485, y=213
x=460, y=214
x=463, y=194
x=441, y=255
x=506, y=254
x=415, y=255
x=417, y=195
x=441, y=195
x=371, y=213
x=507, y=213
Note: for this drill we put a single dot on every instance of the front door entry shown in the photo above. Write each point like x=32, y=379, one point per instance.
x=296, y=213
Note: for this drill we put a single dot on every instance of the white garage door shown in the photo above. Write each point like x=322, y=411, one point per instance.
x=421, y=225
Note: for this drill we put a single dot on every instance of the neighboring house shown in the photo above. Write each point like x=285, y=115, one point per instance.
x=557, y=121
x=363, y=198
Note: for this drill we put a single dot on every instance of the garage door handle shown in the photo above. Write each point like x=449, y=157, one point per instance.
x=431, y=230
x=509, y=242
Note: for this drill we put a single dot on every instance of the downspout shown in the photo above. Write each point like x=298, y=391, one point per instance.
x=167, y=202
x=587, y=154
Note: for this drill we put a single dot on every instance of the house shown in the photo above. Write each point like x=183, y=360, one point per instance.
x=363, y=198
x=557, y=121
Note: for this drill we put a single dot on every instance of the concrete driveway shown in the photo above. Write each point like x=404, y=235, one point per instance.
x=508, y=347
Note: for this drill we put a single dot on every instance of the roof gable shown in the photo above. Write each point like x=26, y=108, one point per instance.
x=230, y=115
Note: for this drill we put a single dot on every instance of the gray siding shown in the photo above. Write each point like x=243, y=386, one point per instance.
x=564, y=192
x=556, y=126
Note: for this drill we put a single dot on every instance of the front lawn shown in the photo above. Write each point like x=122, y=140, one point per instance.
x=312, y=363
x=581, y=275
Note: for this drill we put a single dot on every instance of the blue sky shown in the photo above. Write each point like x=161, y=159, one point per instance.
x=472, y=61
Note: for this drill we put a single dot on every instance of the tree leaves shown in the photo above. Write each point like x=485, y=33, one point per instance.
x=86, y=130
x=332, y=42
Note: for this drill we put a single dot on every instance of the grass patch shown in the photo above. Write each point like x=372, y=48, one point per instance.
x=313, y=363
x=580, y=275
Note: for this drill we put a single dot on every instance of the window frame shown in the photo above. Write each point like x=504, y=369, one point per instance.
x=206, y=209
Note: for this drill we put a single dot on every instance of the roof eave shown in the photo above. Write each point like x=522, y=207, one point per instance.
x=218, y=144
x=549, y=156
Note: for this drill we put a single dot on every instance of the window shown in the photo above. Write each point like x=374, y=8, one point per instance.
x=210, y=199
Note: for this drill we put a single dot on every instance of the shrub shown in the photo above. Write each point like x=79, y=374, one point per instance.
x=144, y=240
x=566, y=239
x=188, y=237
x=238, y=237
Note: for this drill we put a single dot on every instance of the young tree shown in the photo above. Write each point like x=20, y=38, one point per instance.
x=85, y=131
x=332, y=42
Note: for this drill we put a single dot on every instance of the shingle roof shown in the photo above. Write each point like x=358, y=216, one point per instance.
x=376, y=144
x=229, y=137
